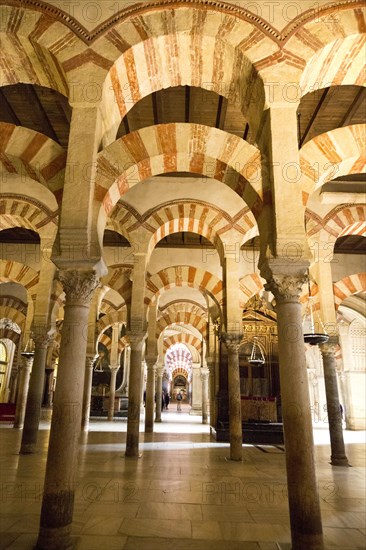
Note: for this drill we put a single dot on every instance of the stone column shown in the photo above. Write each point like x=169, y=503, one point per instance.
x=134, y=394
x=112, y=391
x=88, y=380
x=126, y=370
x=196, y=385
x=205, y=396
x=35, y=394
x=232, y=343
x=47, y=401
x=158, y=392
x=24, y=375
x=338, y=453
x=150, y=394
x=61, y=469
x=305, y=519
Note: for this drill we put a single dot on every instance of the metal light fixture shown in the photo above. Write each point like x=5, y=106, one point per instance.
x=29, y=348
x=256, y=357
x=313, y=338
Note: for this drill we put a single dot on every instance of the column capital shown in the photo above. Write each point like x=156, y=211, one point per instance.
x=79, y=285
x=205, y=373
x=151, y=361
x=27, y=360
x=89, y=361
x=329, y=348
x=42, y=340
x=136, y=339
x=232, y=341
x=284, y=278
x=114, y=368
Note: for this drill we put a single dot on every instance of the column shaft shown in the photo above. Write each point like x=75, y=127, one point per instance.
x=61, y=469
x=88, y=379
x=24, y=375
x=338, y=452
x=134, y=396
x=150, y=391
x=205, y=395
x=158, y=394
x=112, y=392
x=232, y=342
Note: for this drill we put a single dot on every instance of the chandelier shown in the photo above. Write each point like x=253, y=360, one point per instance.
x=256, y=356
x=313, y=338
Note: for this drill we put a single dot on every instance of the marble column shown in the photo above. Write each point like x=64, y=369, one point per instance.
x=112, y=391
x=305, y=518
x=134, y=394
x=150, y=394
x=196, y=394
x=35, y=393
x=126, y=370
x=23, y=384
x=232, y=343
x=88, y=380
x=61, y=468
x=338, y=453
x=47, y=394
x=205, y=395
x=158, y=392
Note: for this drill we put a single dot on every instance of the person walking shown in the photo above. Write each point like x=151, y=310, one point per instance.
x=179, y=401
x=167, y=400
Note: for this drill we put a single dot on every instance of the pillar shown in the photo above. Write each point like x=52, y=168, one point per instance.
x=232, y=342
x=134, y=394
x=23, y=384
x=196, y=385
x=112, y=391
x=61, y=468
x=88, y=380
x=126, y=370
x=305, y=519
x=158, y=392
x=205, y=395
x=35, y=394
x=338, y=453
x=150, y=394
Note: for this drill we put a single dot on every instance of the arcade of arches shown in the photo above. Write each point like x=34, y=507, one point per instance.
x=182, y=185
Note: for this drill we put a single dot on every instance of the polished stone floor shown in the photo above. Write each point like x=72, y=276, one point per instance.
x=182, y=493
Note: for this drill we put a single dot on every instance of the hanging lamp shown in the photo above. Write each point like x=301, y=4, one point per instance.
x=313, y=338
x=256, y=357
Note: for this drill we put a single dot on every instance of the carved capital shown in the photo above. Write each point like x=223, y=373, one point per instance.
x=42, y=341
x=114, y=368
x=27, y=361
x=232, y=341
x=151, y=361
x=79, y=285
x=205, y=373
x=328, y=349
x=89, y=361
x=286, y=288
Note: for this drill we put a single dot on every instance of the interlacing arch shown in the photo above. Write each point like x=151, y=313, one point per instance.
x=188, y=320
x=107, y=342
x=331, y=155
x=111, y=319
x=167, y=148
x=353, y=284
x=342, y=220
x=183, y=275
x=249, y=286
x=29, y=153
x=182, y=307
x=16, y=272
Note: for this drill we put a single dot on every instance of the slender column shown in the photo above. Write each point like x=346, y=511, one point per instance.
x=205, y=396
x=158, y=392
x=150, y=391
x=112, y=391
x=46, y=400
x=126, y=370
x=305, y=519
x=88, y=380
x=35, y=393
x=232, y=343
x=134, y=394
x=61, y=469
x=24, y=375
x=338, y=453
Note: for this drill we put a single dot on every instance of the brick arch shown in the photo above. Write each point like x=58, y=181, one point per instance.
x=250, y=285
x=22, y=211
x=107, y=342
x=18, y=273
x=112, y=318
x=183, y=275
x=29, y=153
x=153, y=48
x=328, y=41
x=118, y=278
x=353, y=284
x=183, y=338
x=31, y=42
x=345, y=219
x=331, y=155
x=178, y=147
x=182, y=307
x=190, y=319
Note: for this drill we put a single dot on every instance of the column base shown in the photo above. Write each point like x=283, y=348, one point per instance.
x=340, y=461
x=27, y=449
x=55, y=538
x=132, y=455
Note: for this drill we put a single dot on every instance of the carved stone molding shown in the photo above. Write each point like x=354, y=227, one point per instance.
x=42, y=340
x=79, y=285
x=232, y=341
